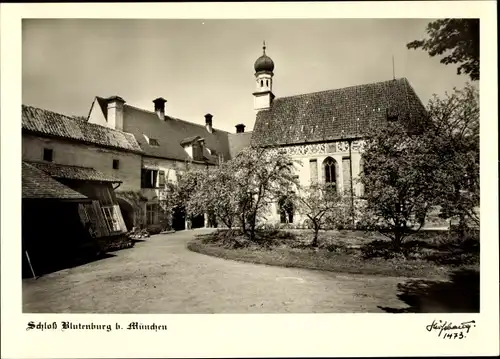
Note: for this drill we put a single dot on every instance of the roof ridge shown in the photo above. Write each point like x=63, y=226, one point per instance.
x=173, y=118
x=341, y=88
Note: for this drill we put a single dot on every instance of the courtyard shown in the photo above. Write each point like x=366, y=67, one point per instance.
x=160, y=275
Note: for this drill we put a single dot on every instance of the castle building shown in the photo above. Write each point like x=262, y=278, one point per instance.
x=324, y=131
x=169, y=146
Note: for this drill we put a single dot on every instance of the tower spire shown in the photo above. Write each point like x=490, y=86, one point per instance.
x=393, y=69
x=264, y=46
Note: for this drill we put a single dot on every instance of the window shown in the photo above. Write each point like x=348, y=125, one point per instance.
x=161, y=179
x=261, y=83
x=197, y=151
x=148, y=178
x=111, y=217
x=392, y=114
x=313, y=169
x=330, y=172
x=116, y=164
x=48, y=154
x=346, y=171
x=152, y=213
x=267, y=83
x=154, y=142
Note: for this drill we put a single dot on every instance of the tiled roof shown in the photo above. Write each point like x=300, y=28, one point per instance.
x=74, y=172
x=46, y=122
x=334, y=114
x=238, y=141
x=170, y=134
x=39, y=185
x=189, y=140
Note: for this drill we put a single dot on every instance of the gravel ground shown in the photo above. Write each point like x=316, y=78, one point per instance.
x=159, y=275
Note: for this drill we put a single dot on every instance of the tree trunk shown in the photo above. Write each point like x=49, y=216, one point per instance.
x=396, y=242
x=315, y=238
x=252, y=231
x=243, y=224
x=462, y=226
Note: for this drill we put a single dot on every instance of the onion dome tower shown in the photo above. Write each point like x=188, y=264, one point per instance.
x=264, y=67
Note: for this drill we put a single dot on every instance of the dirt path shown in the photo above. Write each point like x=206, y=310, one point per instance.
x=160, y=275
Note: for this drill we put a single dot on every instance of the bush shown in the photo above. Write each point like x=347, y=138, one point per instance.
x=154, y=230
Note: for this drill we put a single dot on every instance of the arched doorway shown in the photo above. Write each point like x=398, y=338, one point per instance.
x=286, y=210
x=127, y=212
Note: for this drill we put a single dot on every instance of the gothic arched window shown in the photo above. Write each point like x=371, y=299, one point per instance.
x=329, y=166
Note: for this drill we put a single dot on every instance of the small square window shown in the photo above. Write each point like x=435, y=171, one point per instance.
x=48, y=154
x=154, y=142
x=116, y=164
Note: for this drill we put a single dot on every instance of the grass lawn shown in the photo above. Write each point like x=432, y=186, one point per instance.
x=429, y=254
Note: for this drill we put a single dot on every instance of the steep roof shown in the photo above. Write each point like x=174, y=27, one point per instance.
x=189, y=140
x=334, y=114
x=238, y=141
x=74, y=172
x=39, y=185
x=169, y=134
x=50, y=123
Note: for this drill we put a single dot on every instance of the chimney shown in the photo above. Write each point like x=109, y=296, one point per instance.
x=160, y=107
x=208, y=122
x=115, y=112
x=240, y=128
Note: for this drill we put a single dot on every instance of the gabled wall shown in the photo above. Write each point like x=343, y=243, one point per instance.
x=96, y=116
x=78, y=154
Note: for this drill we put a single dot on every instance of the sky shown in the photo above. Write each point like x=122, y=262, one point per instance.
x=206, y=66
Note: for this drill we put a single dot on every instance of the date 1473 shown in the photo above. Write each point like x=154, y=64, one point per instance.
x=448, y=330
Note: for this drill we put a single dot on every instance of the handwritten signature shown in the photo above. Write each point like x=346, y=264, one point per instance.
x=448, y=330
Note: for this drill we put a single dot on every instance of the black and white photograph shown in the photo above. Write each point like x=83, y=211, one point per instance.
x=209, y=165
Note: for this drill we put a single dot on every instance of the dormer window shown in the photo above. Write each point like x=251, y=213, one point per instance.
x=152, y=141
x=392, y=114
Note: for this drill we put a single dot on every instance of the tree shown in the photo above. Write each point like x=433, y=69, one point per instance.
x=320, y=203
x=458, y=38
x=397, y=175
x=261, y=177
x=454, y=138
x=214, y=193
x=181, y=192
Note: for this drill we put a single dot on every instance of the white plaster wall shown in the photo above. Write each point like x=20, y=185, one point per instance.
x=96, y=116
x=264, y=77
x=261, y=101
x=171, y=168
x=304, y=175
x=77, y=154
